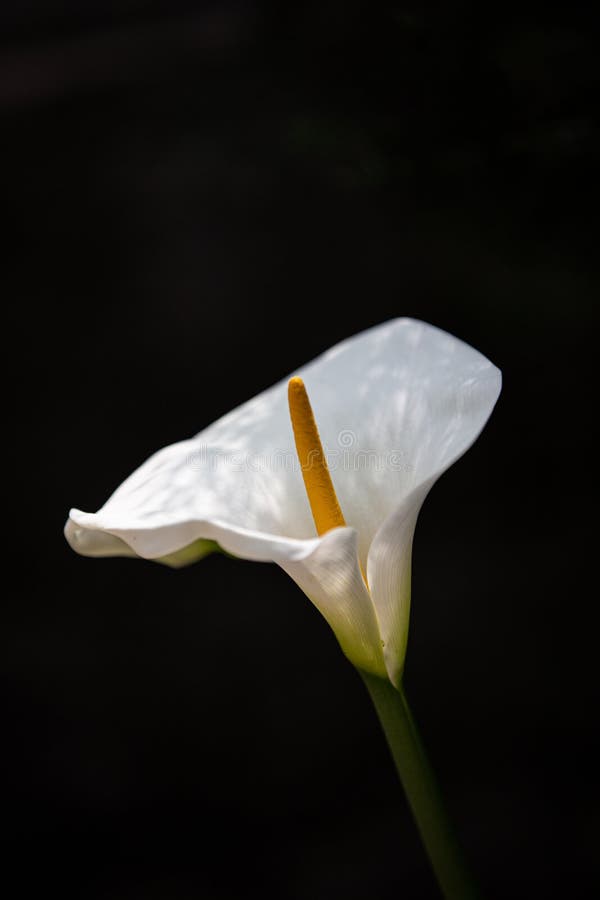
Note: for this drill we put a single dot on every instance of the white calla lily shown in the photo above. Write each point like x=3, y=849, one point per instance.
x=395, y=405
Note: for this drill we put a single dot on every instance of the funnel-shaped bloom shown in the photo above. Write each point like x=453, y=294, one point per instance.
x=395, y=405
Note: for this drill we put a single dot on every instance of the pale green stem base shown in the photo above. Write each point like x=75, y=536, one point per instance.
x=421, y=789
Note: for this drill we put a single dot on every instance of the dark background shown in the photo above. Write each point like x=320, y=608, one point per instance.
x=199, y=198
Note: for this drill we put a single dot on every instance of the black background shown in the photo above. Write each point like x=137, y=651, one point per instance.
x=199, y=198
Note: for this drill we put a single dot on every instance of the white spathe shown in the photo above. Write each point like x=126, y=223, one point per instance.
x=395, y=405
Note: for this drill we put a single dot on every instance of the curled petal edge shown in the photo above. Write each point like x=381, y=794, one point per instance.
x=326, y=568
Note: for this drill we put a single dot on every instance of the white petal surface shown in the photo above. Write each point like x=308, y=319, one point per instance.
x=95, y=543
x=330, y=576
x=395, y=406
x=459, y=389
x=389, y=573
x=326, y=569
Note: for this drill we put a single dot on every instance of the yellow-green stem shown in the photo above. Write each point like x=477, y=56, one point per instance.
x=422, y=792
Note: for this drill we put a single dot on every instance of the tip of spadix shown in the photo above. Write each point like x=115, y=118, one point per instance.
x=297, y=392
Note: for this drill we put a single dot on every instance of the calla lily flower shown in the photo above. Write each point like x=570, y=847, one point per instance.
x=395, y=405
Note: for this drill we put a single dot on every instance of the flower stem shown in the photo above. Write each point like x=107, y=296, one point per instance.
x=422, y=792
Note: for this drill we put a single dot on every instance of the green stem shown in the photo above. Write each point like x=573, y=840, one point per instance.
x=421, y=789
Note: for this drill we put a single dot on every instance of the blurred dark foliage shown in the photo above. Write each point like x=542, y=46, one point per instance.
x=198, y=198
